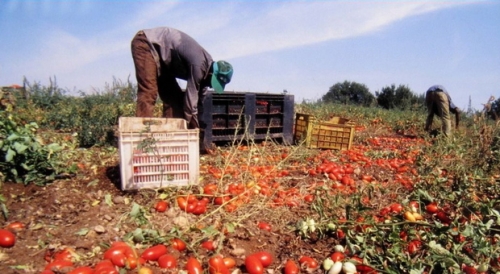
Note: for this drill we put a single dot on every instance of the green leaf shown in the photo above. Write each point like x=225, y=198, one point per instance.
x=138, y=236
x=54, y=147
x=209, y=231
x=20, y=148
x=136, y=210
x=107, y=199
x=82, y=232
x=93, y=183
x=5, y=211
x=13, y=137
x=10, y=155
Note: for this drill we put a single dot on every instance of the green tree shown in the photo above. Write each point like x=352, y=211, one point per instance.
x=401, y=97
x=349, y=93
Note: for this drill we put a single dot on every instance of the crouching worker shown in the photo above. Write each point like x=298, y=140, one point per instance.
x=439, y=103
x=163, y=55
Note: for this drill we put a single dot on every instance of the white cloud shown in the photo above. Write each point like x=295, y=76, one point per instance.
x=294, y=24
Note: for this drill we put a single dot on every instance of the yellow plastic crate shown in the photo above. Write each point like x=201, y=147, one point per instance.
x=337, y=133
x=157, y=152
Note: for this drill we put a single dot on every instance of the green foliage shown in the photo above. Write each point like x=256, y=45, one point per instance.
x=42, y=97
x=24, y=158
x=401, y=97
x=93, y=116
x=349, y=93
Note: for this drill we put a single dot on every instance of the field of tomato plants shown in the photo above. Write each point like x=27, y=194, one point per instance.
x=398, y=201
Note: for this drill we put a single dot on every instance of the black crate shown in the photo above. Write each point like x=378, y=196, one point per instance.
x=252, y=115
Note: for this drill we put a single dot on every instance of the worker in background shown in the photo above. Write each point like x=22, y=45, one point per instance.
x=163, y=55
x=439, y=103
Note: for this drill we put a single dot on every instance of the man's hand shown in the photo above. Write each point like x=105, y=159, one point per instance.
x=457, y=117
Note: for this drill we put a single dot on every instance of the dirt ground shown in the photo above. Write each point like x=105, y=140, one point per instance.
x=89, y=211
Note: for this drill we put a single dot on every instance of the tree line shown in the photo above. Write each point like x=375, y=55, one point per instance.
x=389, y=97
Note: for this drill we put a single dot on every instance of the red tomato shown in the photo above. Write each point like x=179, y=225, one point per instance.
x=154, y=252
x=7, y=238
x=308, y=262
x=264, y=226
x=337, y=256
x=58, y=265
x=396, y=208
x=119, y=259
x=414, y=246
x=441, y=215
x=161, y=206
x=106, y=269
x=469, y=270
x=340, y=234
x=167, y=261
x=103, y=264
x=199, y=208
x=193, y=266
x=216, y=265
x=116, y=249
x=182, y=203
x=291, y=267
x=208, y=245
x=65, y=254
x=221, y=200
x=229, y=262
x=210, y=189
x=15, y=226
x=178, y=244
x=82, y=270
x=309, y=198
x=432, y=208
x=414, y=206
x=47, y=272
x=131, y=262
x=362, y=268
x=191, y=199
x=264, y=257
x=254, y=265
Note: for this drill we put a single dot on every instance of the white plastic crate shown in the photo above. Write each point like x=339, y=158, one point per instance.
x=157, y=152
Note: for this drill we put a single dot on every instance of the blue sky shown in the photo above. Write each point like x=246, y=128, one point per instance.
x=304, y=47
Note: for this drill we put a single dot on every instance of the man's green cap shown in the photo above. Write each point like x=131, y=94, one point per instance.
x=222, y=73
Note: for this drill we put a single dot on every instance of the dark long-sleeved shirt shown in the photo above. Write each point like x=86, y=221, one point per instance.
x=185, y=59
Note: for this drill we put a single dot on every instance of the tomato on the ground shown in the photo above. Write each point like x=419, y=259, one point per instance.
x=161, y=206
x=254, y=265
x=154, y=252
x=167, y=261
x=7, y=238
